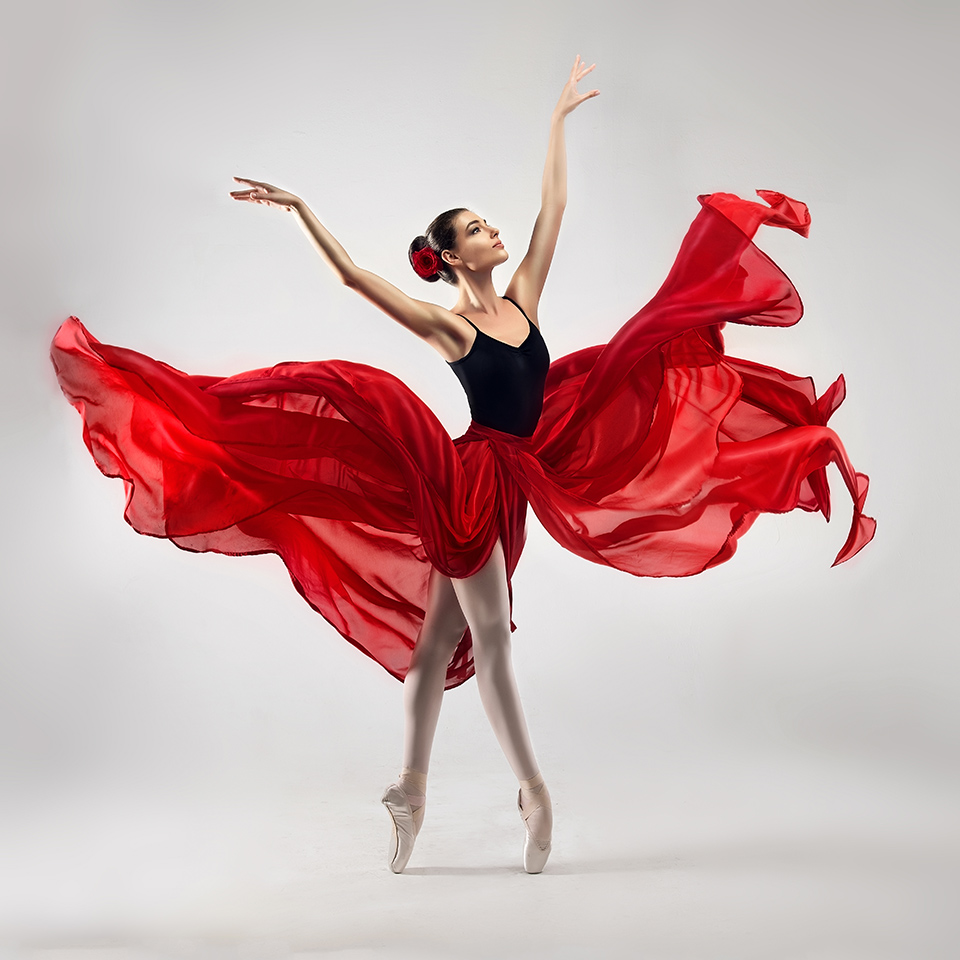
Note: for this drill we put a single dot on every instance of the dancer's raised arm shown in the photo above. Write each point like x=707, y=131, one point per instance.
x=435, y=324
x=527, y=283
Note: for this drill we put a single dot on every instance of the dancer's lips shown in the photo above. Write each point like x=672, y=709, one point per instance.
x=499, y=243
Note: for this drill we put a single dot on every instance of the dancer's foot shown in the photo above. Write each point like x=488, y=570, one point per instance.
x=537, y=814
x=404, y=801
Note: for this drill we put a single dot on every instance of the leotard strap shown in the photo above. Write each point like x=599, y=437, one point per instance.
x=517, y=305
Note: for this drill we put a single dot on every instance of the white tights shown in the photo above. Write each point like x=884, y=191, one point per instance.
x=482, y=602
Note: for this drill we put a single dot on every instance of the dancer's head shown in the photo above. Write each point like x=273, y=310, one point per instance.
x=458, y=240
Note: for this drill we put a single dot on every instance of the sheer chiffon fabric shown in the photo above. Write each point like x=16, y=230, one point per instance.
x=654, y=454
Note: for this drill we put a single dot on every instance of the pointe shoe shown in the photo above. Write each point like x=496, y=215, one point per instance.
x=405, y=826
x=535, y=851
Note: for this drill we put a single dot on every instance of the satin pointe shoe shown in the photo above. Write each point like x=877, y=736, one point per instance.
x=405, y=826
x=535, y=850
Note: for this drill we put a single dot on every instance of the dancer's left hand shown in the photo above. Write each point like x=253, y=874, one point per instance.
x=570, y=99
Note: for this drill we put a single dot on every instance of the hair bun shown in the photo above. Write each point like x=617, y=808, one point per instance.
x=441, y=235
x=424, y=260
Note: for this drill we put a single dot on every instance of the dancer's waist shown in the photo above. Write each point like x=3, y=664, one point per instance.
x=477, y=431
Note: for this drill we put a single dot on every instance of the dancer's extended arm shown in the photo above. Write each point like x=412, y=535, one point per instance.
x=435, y=324
x=527, y=283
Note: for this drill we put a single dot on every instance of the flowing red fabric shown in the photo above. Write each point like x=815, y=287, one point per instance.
x=654, y=453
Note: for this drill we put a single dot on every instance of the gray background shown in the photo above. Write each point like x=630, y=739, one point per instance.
x=756, y=762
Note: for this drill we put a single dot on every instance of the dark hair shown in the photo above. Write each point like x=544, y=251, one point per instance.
x=441, y=235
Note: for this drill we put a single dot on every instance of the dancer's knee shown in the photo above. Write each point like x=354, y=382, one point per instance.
x=492, y=637
x=439, y=641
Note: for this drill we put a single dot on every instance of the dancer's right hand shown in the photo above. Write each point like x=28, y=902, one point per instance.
x=265, y=193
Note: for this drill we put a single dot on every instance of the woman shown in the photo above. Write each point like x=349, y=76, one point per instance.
x=653, y=453
x=463, y=249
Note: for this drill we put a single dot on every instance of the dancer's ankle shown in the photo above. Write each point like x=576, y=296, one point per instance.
x=414, y=785
x=536, y=808
x=534, y=785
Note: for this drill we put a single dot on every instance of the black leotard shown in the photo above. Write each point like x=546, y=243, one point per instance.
x=503, y=383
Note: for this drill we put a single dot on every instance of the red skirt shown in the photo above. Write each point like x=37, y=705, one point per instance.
x=654, y=453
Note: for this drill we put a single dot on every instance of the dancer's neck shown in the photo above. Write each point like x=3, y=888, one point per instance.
x=478, y=296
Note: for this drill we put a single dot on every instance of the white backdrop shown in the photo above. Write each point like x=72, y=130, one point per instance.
x=758, y=761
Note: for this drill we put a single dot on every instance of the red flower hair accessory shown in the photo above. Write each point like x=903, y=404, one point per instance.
x=426, y=263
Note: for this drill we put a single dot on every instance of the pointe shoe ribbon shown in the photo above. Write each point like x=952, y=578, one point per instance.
x=405, y=826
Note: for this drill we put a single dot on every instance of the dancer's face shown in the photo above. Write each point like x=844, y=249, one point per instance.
x=478, y=246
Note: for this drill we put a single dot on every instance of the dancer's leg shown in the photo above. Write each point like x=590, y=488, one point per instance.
x=485, y=602
x=443, y=626
x=442, y=629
